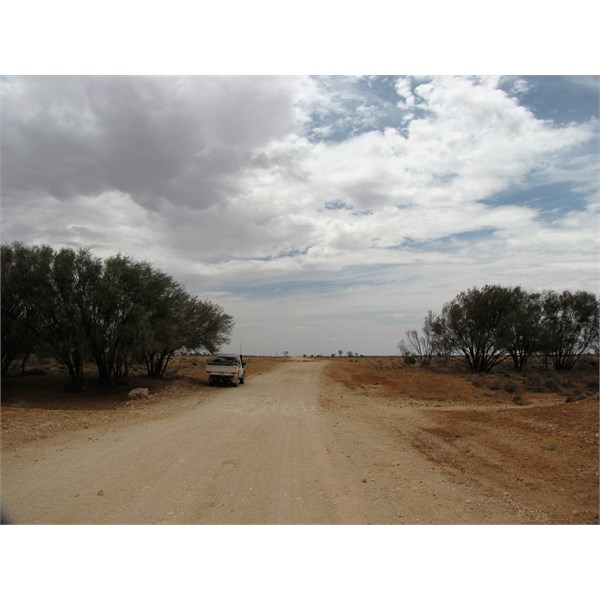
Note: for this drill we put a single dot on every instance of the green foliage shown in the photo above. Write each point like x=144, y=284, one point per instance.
x=522, y=332
x=63, y=307
x=475, y=322
x=115, y=312
x=409, y=359
x=23, y=272
x=491, y=324
x=420, y=347
x=569, y=326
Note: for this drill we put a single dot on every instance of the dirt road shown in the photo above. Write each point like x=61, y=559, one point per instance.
x=266, y=452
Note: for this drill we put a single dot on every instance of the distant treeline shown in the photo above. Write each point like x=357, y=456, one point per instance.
x=117, y=311
x=495, y=323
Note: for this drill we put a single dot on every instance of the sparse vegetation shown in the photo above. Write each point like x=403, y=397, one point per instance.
x=409, y=359
x=420, y=346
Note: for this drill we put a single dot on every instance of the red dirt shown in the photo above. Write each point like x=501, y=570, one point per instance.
x=542, y=456
x=528, y=451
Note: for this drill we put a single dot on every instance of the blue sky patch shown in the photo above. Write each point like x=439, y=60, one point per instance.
x=562, y=99
x=445, y=243
x=552, y=201
x=357, y=105
x=338, y=205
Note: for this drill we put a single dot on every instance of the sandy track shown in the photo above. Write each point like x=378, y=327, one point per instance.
x=267, y=452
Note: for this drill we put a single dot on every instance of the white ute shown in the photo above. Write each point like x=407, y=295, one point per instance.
x=226, y=369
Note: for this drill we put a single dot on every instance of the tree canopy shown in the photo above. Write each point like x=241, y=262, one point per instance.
x=114, y=312
x=494, y=323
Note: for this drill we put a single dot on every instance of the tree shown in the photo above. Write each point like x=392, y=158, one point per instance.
x=595, y=341
x=475, y=322
x=522, y=335
x=114, y=311
x=116, y=316
x=23, y=277
x=421, y=346
x=63, y=308
x=569, y=326
x=139, y=312
x=442, y=344
x=209, y=326
x=165, y=318
x=183, y=321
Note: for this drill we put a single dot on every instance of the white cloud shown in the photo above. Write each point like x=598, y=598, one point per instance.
x=404, y=90
x=230, y=182
x=175, y=140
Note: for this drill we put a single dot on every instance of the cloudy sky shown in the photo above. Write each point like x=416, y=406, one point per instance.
x=322, y=213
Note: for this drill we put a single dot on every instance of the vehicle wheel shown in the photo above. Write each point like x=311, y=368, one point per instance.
x=241, y=380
